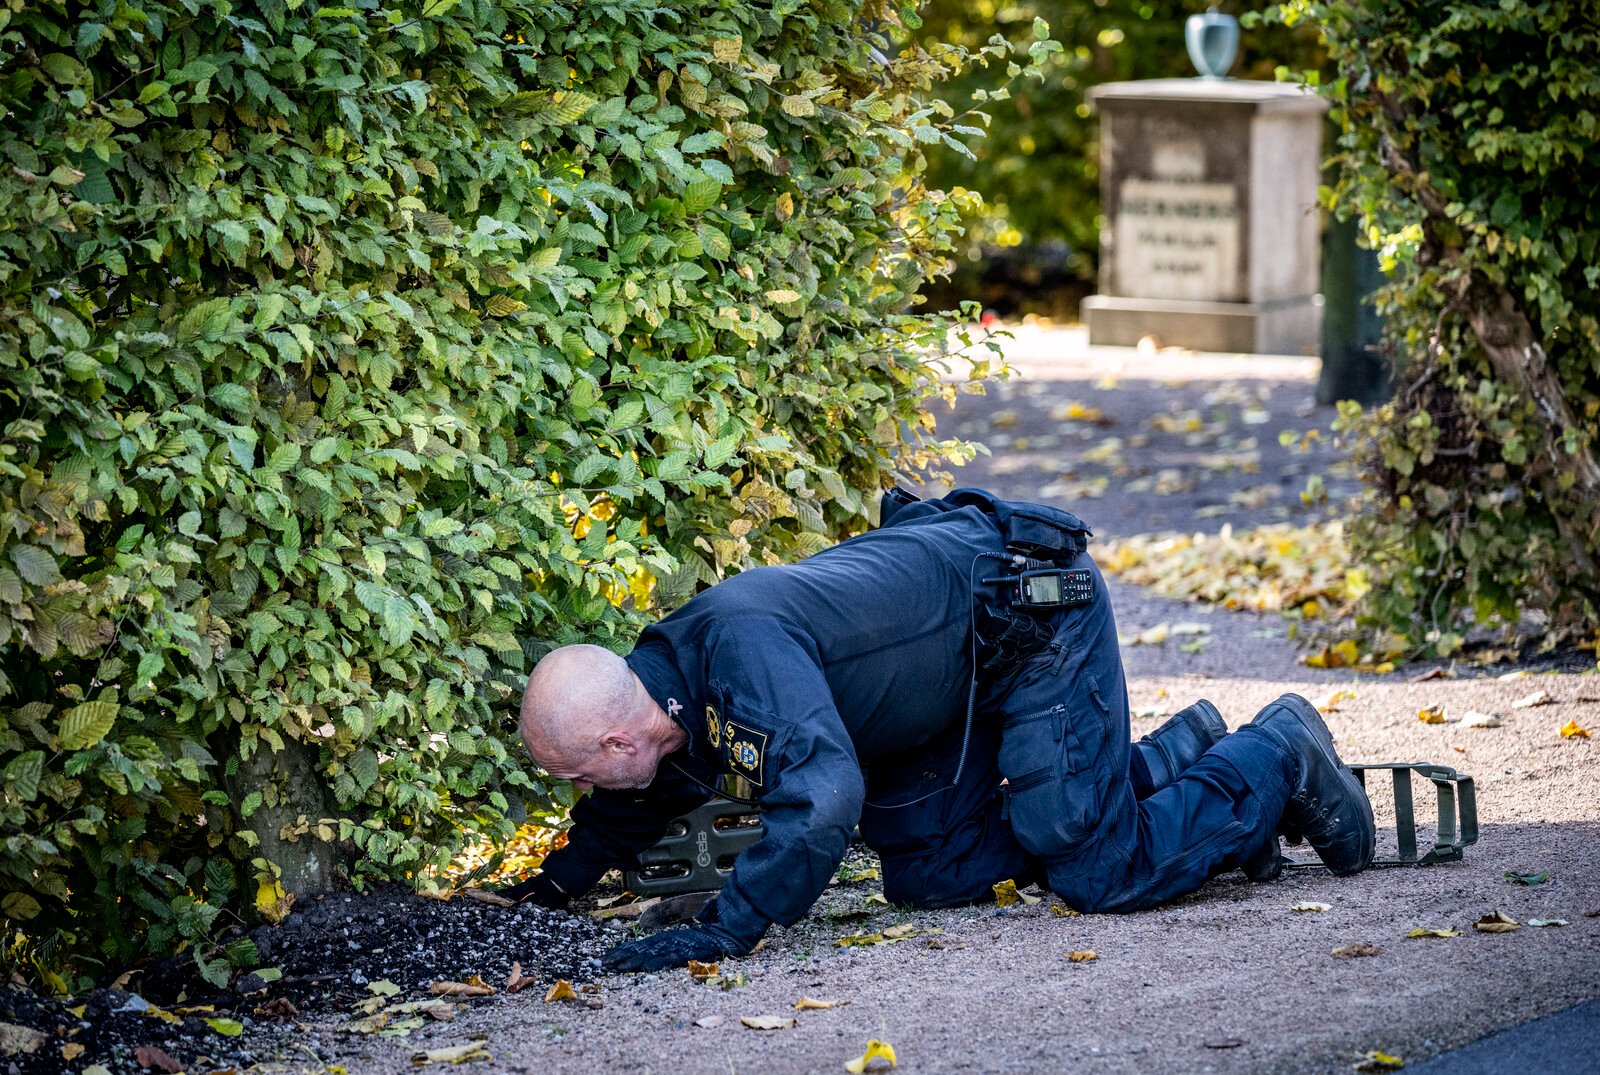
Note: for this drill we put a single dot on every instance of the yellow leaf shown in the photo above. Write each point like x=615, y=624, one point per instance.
x=71, y=1050
x=702, y=971
x=1083, y=956
x=1330, y=702
x=1571, y=730
x=767, y=1022
x=1061, y=910
x=562, y=990
x=785, y=207
x=1347, y=652
x=272, y=901
x=876, y=1050
x=1376, y=1061
x=1005, y=894
x=165, y=1016
x=1433, y=714
x=1446, y=932
x=806, y=1004
x=727, y=49
x=1312, y=907
x=454, y=1054
x=382, y=988
x=460, y=989
x=230, y=1028
x=1497, y=921
x=879, y=898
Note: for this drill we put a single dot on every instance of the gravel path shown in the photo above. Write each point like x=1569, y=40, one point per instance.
x=1231, y=978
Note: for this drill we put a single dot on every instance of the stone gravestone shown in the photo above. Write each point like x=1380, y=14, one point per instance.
x=1212, y=233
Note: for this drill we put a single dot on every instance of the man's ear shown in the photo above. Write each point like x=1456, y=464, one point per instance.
x=619, y=743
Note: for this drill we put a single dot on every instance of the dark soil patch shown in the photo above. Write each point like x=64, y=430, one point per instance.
x=330, y=952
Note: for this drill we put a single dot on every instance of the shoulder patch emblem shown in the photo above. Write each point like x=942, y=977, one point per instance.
x=713, y=728
x=746, y=751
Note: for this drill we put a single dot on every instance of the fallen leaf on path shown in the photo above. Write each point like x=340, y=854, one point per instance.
x=1191, y=628
x=153, y=1012
x=1330, y=702
x=492, y=898
x=1521, y=673
x=863, y=940
x=701, y=971
x=1339, y=655
x=1531, y=700
x=228, y=1028
x=768, y=1022
x=71, y=1050
x=472, y=988
x=1006, y=893
x=439, y=1010
x=1083, y=956
x=1444, y=932
x=1592, y=914
x=906, y=929
x=1480, y=720
x=382, y=988
x=710, y=1022
x=806, y=1004
x=1433, y=714
x=279, y=1008
x=1312, y=907
x=876, y=1050
x=1061, y=910
x=16, y=1040
x=1358, y=950
x=878, y=898
x=562, y=990
x=1571, y=730
x=155, y=1058
x=1154, y=636
x=1433, y=673
x=1376, y=1061
x=1223, y=1043
x=860, y=875
x=1073, y=411
x=1153, y=712
x=1528, y=879
x=1496, y=921
x=631, y=910
x=516, y=981
x=453, y=1054
x=1537, y=922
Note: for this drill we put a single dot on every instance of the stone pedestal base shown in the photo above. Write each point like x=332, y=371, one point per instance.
x=1284, y=327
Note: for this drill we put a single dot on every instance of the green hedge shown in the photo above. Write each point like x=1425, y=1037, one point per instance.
x=351, y=356
x=1469, y=150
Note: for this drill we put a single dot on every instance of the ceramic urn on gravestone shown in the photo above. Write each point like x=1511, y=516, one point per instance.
x=1212, y=232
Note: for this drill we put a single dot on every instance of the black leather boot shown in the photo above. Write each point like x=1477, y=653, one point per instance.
x=1166, y=752
x=1327, y=805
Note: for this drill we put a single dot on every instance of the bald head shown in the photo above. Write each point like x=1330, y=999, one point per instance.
x=587, y=718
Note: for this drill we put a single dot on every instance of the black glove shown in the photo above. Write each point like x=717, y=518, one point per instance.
x=538, y=889
x=674, y=948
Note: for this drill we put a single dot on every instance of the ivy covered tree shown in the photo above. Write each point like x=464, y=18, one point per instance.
x=1469, y=151
x=352, y=355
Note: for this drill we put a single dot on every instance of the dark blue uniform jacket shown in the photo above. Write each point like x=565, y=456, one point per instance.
x=795, y=678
